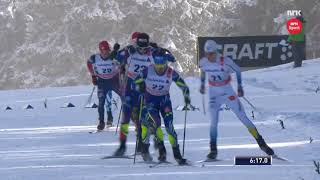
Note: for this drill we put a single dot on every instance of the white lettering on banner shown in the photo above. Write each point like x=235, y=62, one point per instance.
x=246, y=52
x=294, y=12
x=270, y=46
x=233, y=52
x=258, y=50
x=255, y=52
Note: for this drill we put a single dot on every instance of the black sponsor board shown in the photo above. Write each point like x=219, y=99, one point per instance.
x=252, y=51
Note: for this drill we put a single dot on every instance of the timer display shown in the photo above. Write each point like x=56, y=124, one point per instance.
x=253, y=160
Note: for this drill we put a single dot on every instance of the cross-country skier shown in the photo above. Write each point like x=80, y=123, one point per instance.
x=105, y=74
x=155, y=81
x=218, y=69
x=135, y=57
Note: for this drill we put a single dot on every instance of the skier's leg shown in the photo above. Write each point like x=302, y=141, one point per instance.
x=298, y=53
x=214, y=108
x=138, y=103
x=155, y=125
x=145, y=125
x=124, y=127
x=167, y=115
x=235, y=104
x=109, y=108
x=101, y=97
x=150, y=117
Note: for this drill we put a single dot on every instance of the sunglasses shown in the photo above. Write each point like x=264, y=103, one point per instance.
x=211, y=53
x=104, y=49
x=142, y=48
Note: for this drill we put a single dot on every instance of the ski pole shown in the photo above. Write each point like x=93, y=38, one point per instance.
x=122, y=84
x=184, y=129
x=119, y=119
x=203, y=105
x=249, y=103
x=90, y=97
x=137, y=138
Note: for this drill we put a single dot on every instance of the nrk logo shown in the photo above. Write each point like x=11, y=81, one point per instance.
x=294, y=13
x=294, y=25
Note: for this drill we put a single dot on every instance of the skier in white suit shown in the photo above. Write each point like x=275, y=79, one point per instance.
x=218, y=69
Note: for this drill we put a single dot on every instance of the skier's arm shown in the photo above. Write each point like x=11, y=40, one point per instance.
x=182, y=85
x=170, y=57
x=167, y=54
x=234, y=68
x=141, y=77
x=114, y=52
x=121, y=56
x=139, y=84
x=124, y=53
x=90, y=63
x=202, y=77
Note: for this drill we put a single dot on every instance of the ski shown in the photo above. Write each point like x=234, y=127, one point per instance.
x=117, y=157
x=99, y=131
x=95, y=131
x=202, y=163
x=208, y=160
x=170, y=164
x=147, y=162
x=159, y=163
x=280, y=158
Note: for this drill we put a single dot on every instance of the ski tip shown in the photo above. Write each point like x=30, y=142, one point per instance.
x=208, y=160
x=280, y=158
x=117, y=157
x=159, y=163
x=95, y=131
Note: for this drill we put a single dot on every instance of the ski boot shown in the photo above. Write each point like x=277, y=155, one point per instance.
x=101, y=125
x=121, y=150
x=145, y=152
x=162, y=152
x=177, y=156
x=263, y=146
x=109, y=119
x=213, y=152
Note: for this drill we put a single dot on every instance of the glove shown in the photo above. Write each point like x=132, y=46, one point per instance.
x=187, y=100
x=139, y=87
x=116, y=47
x=94, y=80
x=240, y=91
x=202, y=89
x=131, y=49
x=153, y=44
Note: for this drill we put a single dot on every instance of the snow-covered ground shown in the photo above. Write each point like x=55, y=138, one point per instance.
x=54, y=143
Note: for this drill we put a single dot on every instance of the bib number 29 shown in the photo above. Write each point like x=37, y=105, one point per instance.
x=104, y=71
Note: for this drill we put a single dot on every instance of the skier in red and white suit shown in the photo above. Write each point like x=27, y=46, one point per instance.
x=218, y=69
